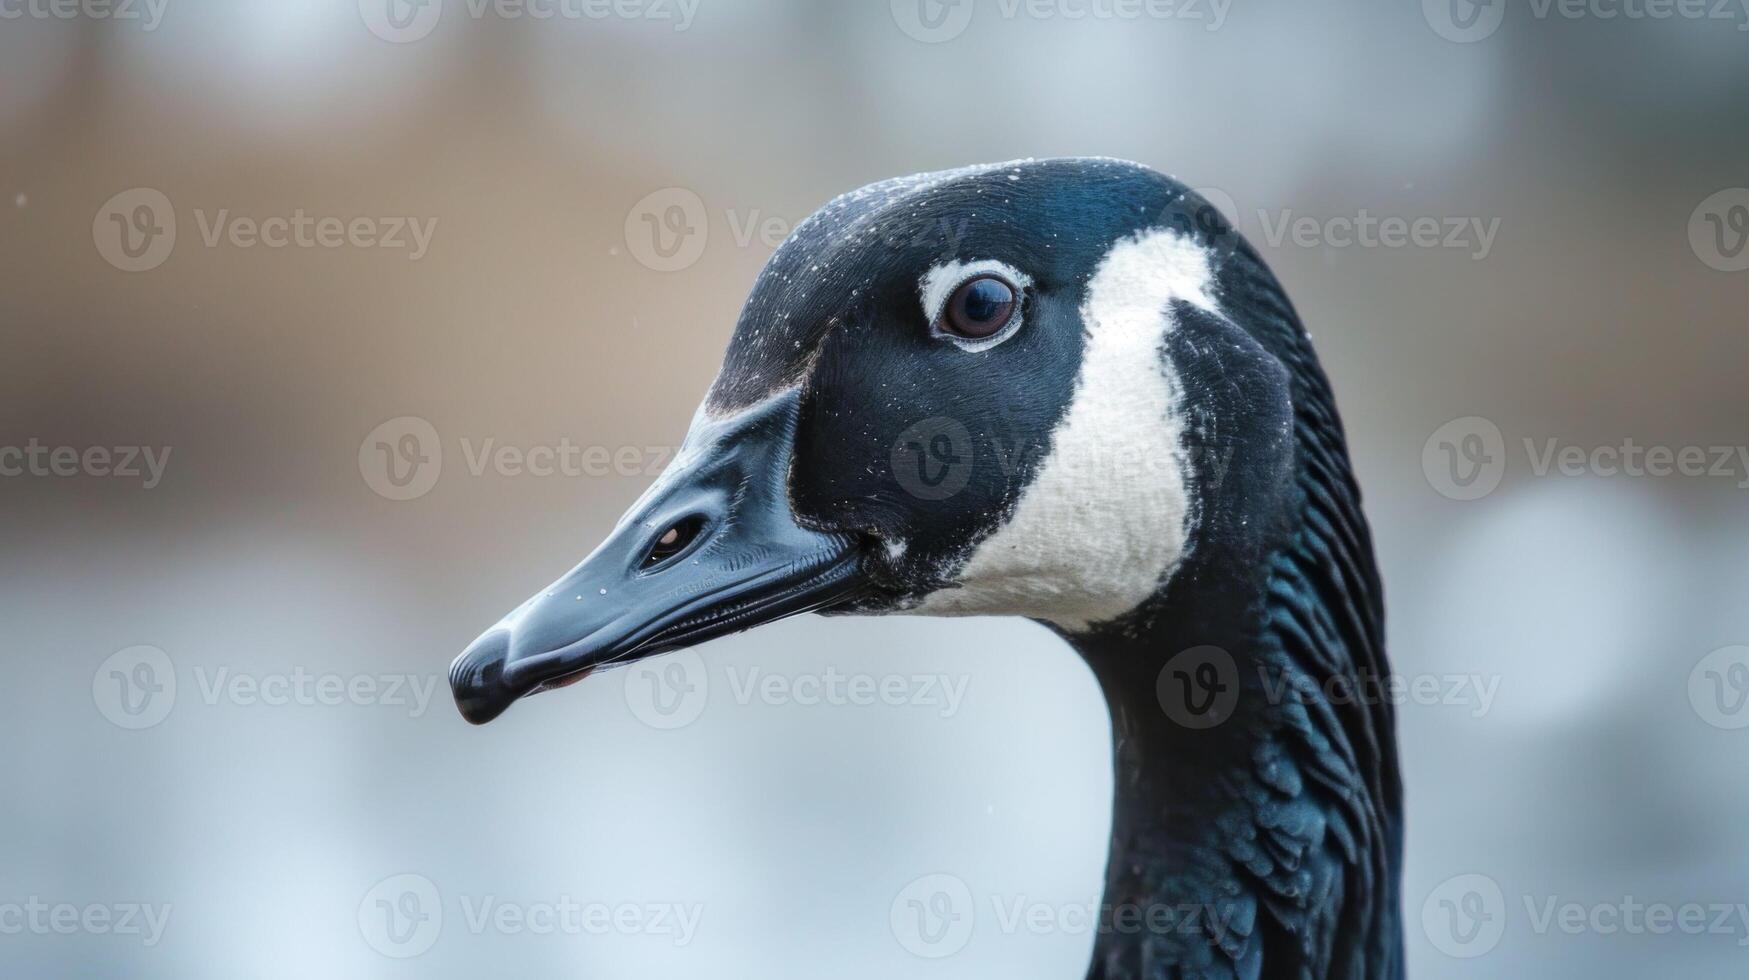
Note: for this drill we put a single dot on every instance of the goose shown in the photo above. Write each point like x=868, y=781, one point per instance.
x=1066, y=390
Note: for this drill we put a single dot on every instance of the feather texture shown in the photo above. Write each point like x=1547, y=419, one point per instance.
x=1281, y=824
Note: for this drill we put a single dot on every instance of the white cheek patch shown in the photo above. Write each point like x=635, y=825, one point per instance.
x=1105, y=520
x=939, y=283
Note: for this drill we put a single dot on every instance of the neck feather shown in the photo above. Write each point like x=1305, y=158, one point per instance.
x=1256, y=827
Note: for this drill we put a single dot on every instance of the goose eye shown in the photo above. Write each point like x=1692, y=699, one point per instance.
x=673, y=541
x=979, y=307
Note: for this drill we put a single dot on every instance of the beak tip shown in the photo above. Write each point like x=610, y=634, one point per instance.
x=478, y=713
x=476, y=679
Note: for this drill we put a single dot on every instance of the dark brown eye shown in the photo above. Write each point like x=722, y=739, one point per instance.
x=673, y=541
x=979, y=308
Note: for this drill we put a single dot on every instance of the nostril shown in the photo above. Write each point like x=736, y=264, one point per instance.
x=673, y=541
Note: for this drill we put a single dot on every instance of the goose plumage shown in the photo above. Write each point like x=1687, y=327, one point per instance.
x=1067, y=390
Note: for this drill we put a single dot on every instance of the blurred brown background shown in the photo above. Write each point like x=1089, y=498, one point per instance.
x=1606, y=305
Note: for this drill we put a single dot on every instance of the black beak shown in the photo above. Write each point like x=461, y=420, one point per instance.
x=712, y=548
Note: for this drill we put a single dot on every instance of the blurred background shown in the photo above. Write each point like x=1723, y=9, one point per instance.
x=333, y=329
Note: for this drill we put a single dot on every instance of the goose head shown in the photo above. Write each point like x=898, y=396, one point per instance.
x=970, y=392
x=1064, y=390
